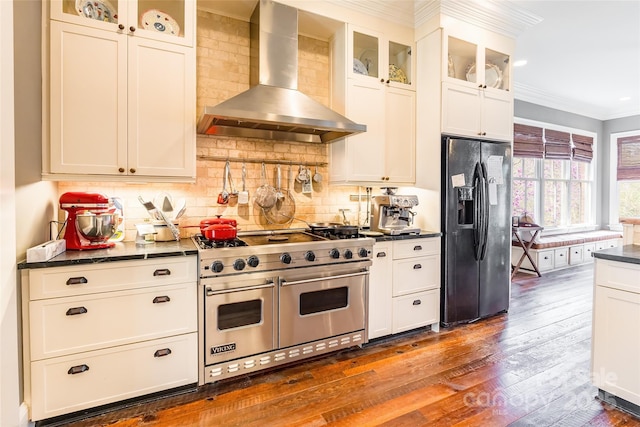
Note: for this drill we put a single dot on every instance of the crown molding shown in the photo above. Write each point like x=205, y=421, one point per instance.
x=498, y=16
x=400, y=12
x=551, y=100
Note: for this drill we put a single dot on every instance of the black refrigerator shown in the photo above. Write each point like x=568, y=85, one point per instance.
x=476, y=229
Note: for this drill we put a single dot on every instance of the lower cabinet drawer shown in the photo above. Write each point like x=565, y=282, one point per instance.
x=416, y=310
x=71, y=383
x=560, y=257
x=576, y=255
x=545, y=260
x=587, y=251
x=416, y=274
x=61, y=326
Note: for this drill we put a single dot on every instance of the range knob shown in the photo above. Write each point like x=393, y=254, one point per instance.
x=239, y=264
x=363, y=253
x=217, y=266
x=348, y=254
x=253, y=261
x=334, y=253
x=310, y=256
x=285, y=258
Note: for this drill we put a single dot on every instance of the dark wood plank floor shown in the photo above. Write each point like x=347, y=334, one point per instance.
x=529, y=367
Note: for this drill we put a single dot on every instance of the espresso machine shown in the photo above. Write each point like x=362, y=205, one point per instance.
x=91, y=220
x=391, y=214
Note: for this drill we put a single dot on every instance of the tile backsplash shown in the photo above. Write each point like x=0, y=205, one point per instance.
x=222, y=72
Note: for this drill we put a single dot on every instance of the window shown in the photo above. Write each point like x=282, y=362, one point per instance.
x=553, y=175
x=625, y=161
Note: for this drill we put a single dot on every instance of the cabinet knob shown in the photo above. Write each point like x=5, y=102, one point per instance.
x=484, y=133
x=381, y=80
x=132, y=170
x=162, y=352
x=77, y=280
x=132, y=29
x=162, y=272
x=417, y=302
x=121, y=170
x=77, y=369
x=388, y=80
x=381, y=254
x=76, y=310
x=120, y=26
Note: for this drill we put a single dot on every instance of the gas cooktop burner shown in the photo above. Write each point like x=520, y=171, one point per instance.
x=205, y=243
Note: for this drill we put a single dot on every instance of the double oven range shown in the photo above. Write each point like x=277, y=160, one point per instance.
x=274, y=297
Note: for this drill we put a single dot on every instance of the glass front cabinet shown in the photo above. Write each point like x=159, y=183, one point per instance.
x=156, y=19
x=121, y=77
x=375, y=57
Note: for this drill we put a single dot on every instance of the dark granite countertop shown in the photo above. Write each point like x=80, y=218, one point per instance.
x=423, y=234
x=122, y=251
x=626, y=253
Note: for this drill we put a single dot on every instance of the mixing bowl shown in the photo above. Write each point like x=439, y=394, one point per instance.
x=97, y=227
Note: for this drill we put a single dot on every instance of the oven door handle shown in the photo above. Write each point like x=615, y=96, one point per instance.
x=322, y=279
x=211, y=292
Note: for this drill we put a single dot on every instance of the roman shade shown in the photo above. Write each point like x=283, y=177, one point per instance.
x=557, y=145
x=537, y=142
x=629, y=158
x=582, y=148
x=527, y=141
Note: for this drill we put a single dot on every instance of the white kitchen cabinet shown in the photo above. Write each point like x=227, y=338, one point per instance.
x=476, y=101
x=121, y=97
x=416, y=269
x=106, y=332
x=576, y=255
x=385, y=153
x=615, y=335
x=380, y=291
x=476, y=112
x=452, y=99
x=404, y=286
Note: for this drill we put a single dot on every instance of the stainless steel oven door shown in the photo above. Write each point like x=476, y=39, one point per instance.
x=321, y=302
x=239, y=322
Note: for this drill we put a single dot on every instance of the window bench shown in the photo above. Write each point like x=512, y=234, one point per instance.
x=566, y=250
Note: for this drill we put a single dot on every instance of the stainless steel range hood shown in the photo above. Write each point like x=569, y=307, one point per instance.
x=273, y=108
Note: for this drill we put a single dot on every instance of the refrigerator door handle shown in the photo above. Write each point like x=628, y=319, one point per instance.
x=477, y=212
x=484, y=232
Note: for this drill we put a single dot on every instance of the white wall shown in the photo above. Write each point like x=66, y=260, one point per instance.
x=9, y=383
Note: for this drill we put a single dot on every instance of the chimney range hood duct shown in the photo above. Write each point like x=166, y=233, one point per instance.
x=273, y=108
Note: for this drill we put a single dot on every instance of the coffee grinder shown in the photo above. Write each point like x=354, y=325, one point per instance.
x=91, y=220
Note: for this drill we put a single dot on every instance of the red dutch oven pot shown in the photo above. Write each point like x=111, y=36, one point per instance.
x=219, y=228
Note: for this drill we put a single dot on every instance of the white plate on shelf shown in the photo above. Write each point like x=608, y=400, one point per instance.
x=359, y=68
x=492, y=75
x=157, y=20
x=100, y=10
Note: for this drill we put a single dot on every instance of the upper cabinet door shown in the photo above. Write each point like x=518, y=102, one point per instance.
x=373, y=57
x=461, y=65
x=164, y=20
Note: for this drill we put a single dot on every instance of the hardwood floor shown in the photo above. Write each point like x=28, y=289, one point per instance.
x=529, y=367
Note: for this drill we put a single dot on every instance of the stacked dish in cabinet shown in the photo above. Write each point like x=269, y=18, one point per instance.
x=404, y=286
x=100, y=333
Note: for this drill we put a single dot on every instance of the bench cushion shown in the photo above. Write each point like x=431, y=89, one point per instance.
x=572, y=239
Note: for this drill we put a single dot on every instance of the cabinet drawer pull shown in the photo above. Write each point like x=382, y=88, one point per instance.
x=381, y=254
x=77, y=369
x=77, y=281
x=417, y=266
x=162, y=352
x=417, y=248
x=76, y=310
x=158, y=300
x=417, y=302
x=162, y=272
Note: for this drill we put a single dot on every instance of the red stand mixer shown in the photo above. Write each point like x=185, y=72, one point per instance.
x=91, y=220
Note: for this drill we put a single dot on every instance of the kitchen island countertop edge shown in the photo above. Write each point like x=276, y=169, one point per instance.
x=626, y=253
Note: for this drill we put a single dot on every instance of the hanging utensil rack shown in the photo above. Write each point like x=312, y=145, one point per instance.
x=266, y=161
